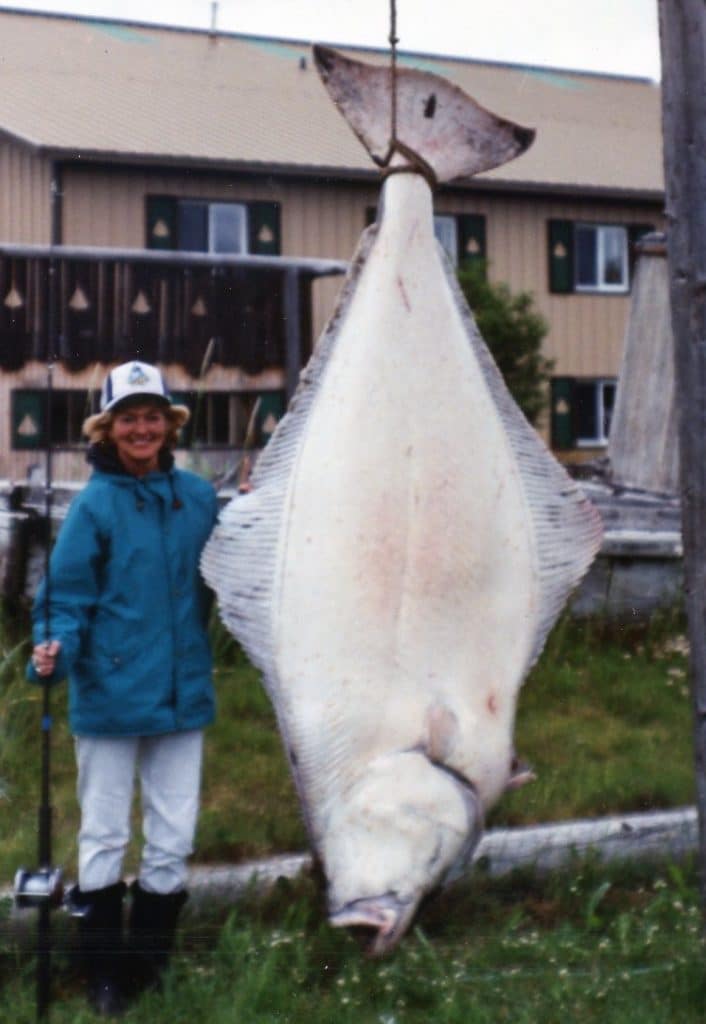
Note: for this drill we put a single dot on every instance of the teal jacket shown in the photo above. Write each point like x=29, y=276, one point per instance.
x=128, y=604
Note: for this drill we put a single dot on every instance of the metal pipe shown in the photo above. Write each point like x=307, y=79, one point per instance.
x=303, y=264
x=56, y=196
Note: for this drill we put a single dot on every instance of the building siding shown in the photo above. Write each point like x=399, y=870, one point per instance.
x=325, y=219
x=24, y=196
x=105, y=206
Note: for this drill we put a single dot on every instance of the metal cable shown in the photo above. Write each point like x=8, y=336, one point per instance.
x=394, y=40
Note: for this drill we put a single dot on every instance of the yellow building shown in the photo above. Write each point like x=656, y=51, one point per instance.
x=130, y=137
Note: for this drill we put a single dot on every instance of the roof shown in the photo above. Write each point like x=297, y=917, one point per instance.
x=105, y=90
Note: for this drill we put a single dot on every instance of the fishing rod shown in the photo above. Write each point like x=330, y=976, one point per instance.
x=42, y=887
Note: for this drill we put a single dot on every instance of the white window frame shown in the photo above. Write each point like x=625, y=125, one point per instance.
x=600, y=384
x=601, y=285
x=446, y=232
x=214, y=208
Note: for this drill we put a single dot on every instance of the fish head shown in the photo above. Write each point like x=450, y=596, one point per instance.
x=439, y=128
x=382, y=919
x=395, y=837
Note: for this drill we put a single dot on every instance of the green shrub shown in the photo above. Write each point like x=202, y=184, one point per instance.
x=513, y=331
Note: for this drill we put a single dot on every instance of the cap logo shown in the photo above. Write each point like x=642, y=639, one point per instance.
x=137, y=375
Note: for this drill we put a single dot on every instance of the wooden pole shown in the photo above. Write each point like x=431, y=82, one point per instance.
x=293, y=339
x=683, y=45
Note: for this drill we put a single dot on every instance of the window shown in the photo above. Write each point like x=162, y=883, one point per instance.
x=69, y=408
x=600, y=258
x=581, y=411
x=594, y=258
x=594, y=411
x=462, y=235
x=446, y=231
x=204, y=225
x=237, y=419
x=212, y=227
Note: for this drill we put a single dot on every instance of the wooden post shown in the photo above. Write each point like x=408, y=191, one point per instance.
x=293, y=342
x=683, y=44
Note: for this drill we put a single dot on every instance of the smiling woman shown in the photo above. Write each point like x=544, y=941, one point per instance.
x=138, y=433
x=125, y=619
x=137, y=420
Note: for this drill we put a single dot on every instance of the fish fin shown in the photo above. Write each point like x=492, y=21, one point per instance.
x=249, y=527
x=385, y=918
x=436, y=121
x=520, y=774
x=567, y=528
x=442, y=731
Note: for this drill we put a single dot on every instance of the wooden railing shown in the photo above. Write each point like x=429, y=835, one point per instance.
x=85, y=305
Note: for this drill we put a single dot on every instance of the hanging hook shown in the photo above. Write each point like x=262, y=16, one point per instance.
x=415, y=164
x=393, y=76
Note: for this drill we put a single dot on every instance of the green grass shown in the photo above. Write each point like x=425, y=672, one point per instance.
x=589, y=945
x=605, y=721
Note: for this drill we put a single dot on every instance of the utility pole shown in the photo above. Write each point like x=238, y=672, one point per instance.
x=683, y=44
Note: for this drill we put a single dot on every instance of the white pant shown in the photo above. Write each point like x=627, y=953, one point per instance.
x=170, y=777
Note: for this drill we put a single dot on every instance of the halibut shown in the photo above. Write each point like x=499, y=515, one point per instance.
x=409, y=540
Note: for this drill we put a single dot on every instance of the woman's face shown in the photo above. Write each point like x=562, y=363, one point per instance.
x=138, y=432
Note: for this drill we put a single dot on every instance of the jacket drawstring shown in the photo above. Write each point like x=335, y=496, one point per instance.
x=140, y=496
x=176, y=501
x=141, y=490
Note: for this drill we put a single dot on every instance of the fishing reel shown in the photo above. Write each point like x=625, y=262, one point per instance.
x=43, y=887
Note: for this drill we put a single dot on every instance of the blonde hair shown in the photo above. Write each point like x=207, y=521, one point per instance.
x=97, y=427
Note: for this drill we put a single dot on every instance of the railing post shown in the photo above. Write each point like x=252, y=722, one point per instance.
x=292, y=337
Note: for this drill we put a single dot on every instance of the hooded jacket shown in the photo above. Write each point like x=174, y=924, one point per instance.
x=127, y=602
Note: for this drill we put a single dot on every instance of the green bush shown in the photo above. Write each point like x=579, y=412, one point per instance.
x=513, y=331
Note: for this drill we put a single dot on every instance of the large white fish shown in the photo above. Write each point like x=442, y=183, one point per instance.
x=409, y=540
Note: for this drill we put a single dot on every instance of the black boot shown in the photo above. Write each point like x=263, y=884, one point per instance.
x=152, y=928
x=100, y=927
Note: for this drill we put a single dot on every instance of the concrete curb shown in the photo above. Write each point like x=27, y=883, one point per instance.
x=654, y=837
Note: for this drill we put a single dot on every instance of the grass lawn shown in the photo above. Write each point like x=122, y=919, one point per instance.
x=605, y=721
x=584, y=946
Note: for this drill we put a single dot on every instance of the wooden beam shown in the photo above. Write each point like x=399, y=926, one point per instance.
x=683, y=44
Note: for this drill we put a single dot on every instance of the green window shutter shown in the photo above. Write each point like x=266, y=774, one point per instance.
x=161, y=222
x=270, y=411
x=471, y=239
x=29, y=419
x=635, y=233
x=264, y=229
x=562, y=413
x=561, y=256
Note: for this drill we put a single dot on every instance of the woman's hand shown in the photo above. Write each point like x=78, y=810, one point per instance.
x=44, y=657
x=244, y=485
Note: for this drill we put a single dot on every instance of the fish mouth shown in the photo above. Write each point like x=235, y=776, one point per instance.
x=380, y=921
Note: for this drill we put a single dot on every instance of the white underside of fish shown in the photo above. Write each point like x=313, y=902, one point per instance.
x=407, y=546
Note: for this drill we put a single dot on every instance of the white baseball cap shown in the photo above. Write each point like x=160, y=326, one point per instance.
x=133, y=380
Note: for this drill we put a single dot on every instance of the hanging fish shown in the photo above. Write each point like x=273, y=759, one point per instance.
x=408, y=542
